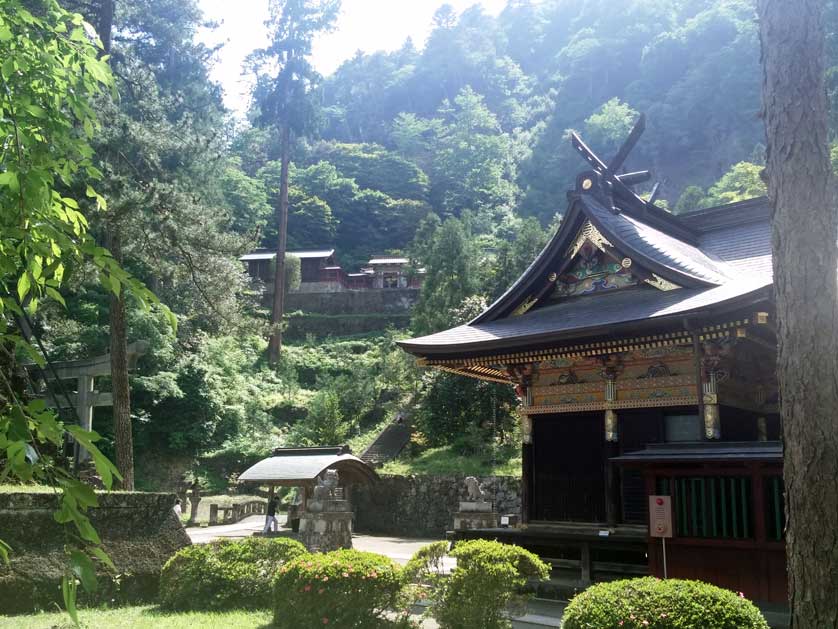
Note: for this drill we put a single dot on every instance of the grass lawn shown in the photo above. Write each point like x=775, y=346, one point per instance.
x=145, y=617
x=445, y=461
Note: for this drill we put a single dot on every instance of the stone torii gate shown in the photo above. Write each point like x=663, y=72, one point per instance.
x=84, y=371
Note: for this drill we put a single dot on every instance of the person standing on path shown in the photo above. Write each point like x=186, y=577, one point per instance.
x=271, y=523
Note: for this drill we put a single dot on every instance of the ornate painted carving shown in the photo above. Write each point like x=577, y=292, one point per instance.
x=661, y=284
x=593, y=271
x=611, y=366
x=657, y=370
x=528, y=303
x=590, y=234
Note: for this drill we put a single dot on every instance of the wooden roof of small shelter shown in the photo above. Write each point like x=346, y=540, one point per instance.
x=302, y=466
x=655, y=271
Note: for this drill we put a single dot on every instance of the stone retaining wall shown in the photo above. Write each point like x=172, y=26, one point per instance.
x=139, y=531
x=424, y=506
x=354, y=302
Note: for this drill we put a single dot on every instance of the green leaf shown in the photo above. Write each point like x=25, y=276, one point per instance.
x=36, y=111
x=102, y=556
x=9, y=178
x=82, y=494
x=56, y=296
x=88, y=127
x=24, y=285
x=82, y=566
x=68, y=593
x=5, y=34
x=4, y=551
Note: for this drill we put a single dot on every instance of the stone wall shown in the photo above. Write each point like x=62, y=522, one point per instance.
x=138, y=530
x=354, y=302
x=424, y=506
x=302, y=324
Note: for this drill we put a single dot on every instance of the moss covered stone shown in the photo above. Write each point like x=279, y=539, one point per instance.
x=138, y=530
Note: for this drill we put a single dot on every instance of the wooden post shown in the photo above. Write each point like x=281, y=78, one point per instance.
x=526, y=482
x=586, y=563
x=612, y=485
x=84, y=410
x=699, y=383
x=213, y=514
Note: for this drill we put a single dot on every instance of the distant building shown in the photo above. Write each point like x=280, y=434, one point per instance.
x=260, y=263
x=321, y=273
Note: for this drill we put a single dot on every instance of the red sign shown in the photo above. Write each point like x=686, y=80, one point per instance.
x=660, y=516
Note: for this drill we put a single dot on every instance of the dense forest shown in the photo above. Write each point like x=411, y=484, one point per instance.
x=454, y=153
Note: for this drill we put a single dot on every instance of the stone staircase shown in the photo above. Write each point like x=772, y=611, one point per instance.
x=389, y=443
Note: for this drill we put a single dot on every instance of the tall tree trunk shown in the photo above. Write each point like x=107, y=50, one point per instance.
x=123, y=439
x=278, y=309
x=121, y=391
x=805, y=228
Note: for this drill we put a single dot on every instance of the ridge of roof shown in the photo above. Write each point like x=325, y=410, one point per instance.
x=733, y=214
x=674, y=259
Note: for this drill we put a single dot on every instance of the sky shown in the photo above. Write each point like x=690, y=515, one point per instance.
x=367, y=25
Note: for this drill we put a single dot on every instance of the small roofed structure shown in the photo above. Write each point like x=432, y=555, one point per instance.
x=323, y=518
x=301, y=467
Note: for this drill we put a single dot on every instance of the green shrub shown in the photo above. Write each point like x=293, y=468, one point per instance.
x=651, y=603
x=343, y=588
x=225, y=574
x=488, y=579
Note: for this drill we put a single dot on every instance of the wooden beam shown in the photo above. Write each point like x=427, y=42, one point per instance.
x=628, y=145
x=632, y=179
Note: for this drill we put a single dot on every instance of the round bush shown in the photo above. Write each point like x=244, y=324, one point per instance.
x=651, y=603
x=225, y=574
x=343, y=588
x=488, y=579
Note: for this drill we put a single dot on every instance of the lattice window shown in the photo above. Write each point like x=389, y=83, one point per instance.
x=718, y=507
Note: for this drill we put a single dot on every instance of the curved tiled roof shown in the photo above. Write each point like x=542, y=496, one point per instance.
x=577, y=315
x=722, y=263
x=303, y=469
x=666, y=255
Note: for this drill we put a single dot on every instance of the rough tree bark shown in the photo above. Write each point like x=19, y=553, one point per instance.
x=278, y=309
x=123, y=438
x=805, y=227
x=121, y=391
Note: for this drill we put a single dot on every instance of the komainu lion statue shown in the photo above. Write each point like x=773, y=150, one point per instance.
x=325, y=488
x=476, y=492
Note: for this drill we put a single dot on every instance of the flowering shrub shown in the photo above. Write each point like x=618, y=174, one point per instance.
x=225, y=574
x=488, y=579
x=650, y=603
x=343, y=588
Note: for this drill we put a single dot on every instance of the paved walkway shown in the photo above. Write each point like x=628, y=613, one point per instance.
x=399, y=549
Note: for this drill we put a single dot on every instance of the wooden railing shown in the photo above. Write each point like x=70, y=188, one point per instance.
x=236, y=512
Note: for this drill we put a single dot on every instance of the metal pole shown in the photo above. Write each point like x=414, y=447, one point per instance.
x=663, y=542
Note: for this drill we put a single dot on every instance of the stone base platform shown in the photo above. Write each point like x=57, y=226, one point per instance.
x=466, y=520
x=326, y=530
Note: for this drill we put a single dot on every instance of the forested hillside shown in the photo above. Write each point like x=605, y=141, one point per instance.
x=454, y=153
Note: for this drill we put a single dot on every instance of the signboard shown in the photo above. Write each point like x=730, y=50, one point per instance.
x=660, y=516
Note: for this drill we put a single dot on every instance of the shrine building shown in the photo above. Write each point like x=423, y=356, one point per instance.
x=642, y=347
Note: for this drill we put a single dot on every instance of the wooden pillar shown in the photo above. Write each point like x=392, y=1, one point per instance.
x=699, y=382
x=526, y=482
x=586, y=563
x=84, y=409
x=758, y=493
x=612, y=484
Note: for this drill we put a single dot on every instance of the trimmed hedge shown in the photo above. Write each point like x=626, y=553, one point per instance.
x=344, y=588
x=488, y=580
x=650, y=603
x=225, y=574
